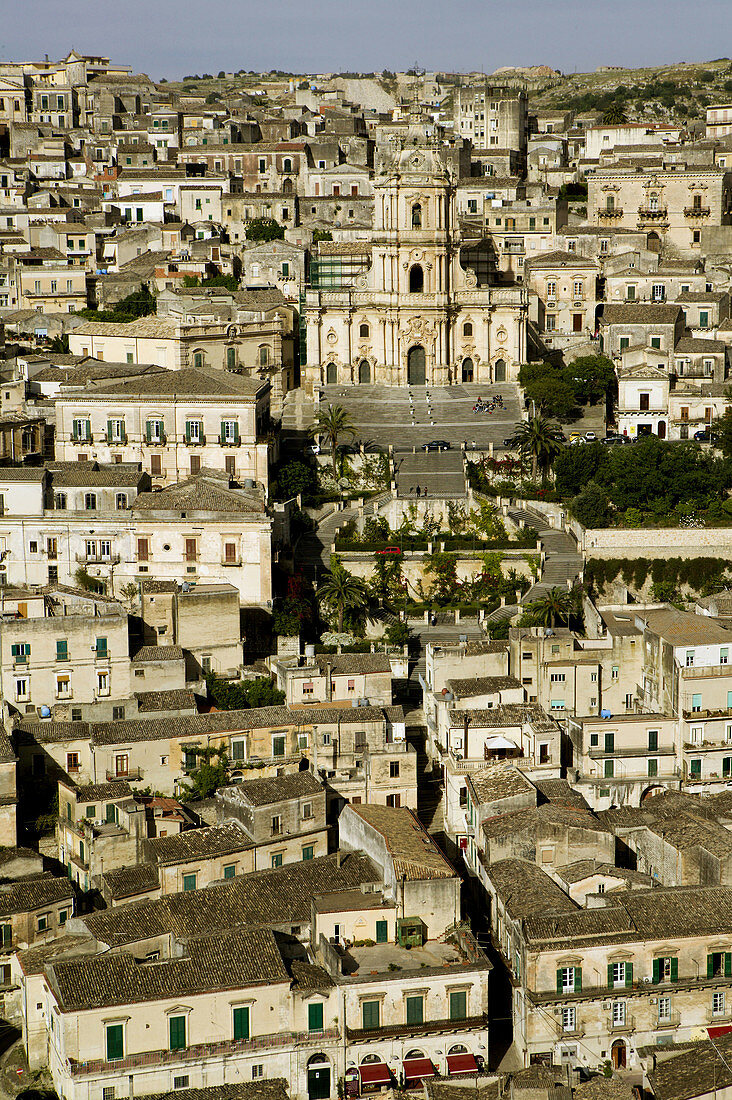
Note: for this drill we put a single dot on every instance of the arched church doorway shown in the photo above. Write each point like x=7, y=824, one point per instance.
x=364, y=372
x=467, y=374
x=416, y=372
x=331, y=374
x=499, y=370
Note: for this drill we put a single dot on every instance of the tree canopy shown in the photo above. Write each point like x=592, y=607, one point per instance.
x=264, y=229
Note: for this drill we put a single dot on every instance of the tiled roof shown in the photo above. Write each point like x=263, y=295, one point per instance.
x=482, y=685
x=527, y=891
x=640, y=313
x=7, y=753
x=691, y=344
x=151, y=328
x=683, y=628
x=261, y=792
x=702, y=1069
x=185, y=383
x=33, y=893
x=278, y=897
x=98, y=792
x=207, y=843
x=226, y=961
x=200, y=494
x=126, y=882
x=83, y=474
x=308, y=976
x=174, y=699
x=536, y=820
x=415, y=854
x=273, y=1089
x=507, y=714
x=499, y=780
x=223, y=722
x=158, y=653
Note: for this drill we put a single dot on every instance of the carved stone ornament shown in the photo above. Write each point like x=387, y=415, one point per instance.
x=331, y=336
x=501, y=335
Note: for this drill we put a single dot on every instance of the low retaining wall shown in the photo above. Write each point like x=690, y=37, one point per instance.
x=657, y=542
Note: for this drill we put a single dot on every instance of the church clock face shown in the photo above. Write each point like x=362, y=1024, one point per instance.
x=416, y=161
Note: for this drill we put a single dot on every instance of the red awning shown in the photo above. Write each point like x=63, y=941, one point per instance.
x=417, y=1068
x=722, y=1029
x=375, y=1073
x=461, y=1063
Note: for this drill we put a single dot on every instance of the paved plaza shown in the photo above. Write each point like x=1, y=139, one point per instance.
x=385, y=415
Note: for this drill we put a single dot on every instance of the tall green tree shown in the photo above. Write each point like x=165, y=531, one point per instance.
x=333, y=422
x=342, y=591
x=540, y=441
x=551, y=609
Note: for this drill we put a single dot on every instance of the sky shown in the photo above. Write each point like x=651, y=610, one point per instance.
x=174, y=38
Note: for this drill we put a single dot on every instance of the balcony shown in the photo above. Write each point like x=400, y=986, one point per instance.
x=671, y=1021
x=616, y=212
x=697, y=211
x=427, y=1027
x=619, y=1026
x=201, y=1052
x=645, y=214
x=132, y=774
x=98, y=559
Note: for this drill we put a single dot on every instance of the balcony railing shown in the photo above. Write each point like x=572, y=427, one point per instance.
x=200, y=1052
x=427, y=1027
x=626, y=1024
x=131, y=773
x=98, y=559
x=646, y=214
x=616, y=212
x=697, y=211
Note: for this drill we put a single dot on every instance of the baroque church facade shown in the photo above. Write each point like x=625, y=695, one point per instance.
x=411, y=314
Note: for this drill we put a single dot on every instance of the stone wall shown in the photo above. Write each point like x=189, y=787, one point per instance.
x=657, y=542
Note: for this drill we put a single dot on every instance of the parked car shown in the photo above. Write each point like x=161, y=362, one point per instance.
x=390, y=550
x=590, y=437
x=705, y=436
x=508, y=442
x=437, y=445
x=612, y=439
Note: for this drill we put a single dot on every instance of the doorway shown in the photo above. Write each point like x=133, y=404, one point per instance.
x=467, y=370
x=318, y=1077
x=416, y=372
x=416, y=279
x=618, y=1054
x=499, y=370
x=364, y=372
x=331, y=375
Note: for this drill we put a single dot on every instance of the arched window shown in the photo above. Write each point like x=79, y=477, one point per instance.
x=416, y=279
x=287, y=165
x=467, y=329
x=653, y=201
x=417, y=216
x=364, y=331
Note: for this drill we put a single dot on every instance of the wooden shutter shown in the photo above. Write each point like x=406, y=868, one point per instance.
x=610, y=974
x=142, y=550
x=148, y=430
x=190, y=549
x=222, y=434
x=560, y=982
x=241, y=1023
x=727, y=964
x=628, y=974
x=710, y=966
x=188, y=431
x=109, y=431
x=578, y=979
x=657, y=970
x=674, y=970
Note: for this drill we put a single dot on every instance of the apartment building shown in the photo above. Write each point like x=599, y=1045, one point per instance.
x=672, y=202
x=175, y=423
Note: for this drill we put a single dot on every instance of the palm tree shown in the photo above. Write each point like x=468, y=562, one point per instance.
x=333, y=421
x=344, y=591
x=614, y=114
x=539, y=440
x=548, y=610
